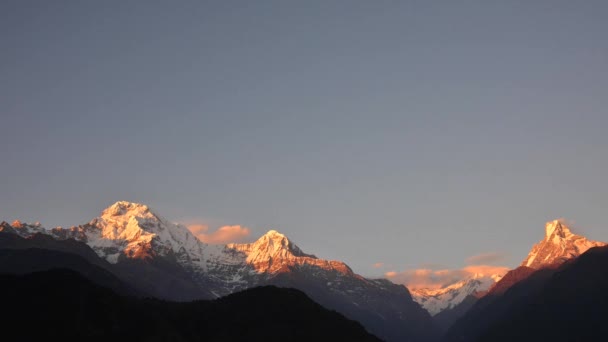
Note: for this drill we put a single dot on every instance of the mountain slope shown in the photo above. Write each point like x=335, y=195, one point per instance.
x=446, y=318
x=386, y=309
x=24, y=261
x=62, y=305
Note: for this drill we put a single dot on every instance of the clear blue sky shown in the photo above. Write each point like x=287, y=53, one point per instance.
x=408, y=133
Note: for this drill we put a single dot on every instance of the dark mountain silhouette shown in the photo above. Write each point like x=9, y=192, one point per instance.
x=160, y=278
x=565, y=303
x=63, y=305
x=570, y=306
x=511, y=278
x=385, y=307
x=24, y=261
x=493, y=307
x=446, y=319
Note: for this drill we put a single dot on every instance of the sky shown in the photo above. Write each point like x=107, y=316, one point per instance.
x=393, y=135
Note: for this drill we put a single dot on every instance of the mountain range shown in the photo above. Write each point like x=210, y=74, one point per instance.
x=135, y=253
x=165, y=260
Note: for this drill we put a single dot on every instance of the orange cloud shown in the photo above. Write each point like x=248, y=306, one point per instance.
x=438, y=278
x=485, y=259
x=486, y=269
x=197, y=228
x=426, y=278
x=390, y=274
x=223, y=235
x=378, y=265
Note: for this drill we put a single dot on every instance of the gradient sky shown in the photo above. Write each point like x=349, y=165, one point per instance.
x=408, y=133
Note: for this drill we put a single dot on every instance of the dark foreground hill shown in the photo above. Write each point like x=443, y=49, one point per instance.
x=63, y=305
x=571, y=306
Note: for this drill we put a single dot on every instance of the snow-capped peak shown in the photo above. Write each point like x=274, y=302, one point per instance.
x=23, y=229
x=559, y=228
x=273, y=251
x=274, y=233
x=272, y=245
x=559, y=245
x=135, y=230
x=127, y=209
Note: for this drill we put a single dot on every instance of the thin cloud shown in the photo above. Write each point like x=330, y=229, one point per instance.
x=223, y=235
x=436, y=279
x=485, y=269
x=426, y=278
x=378, y=265
x=197, y=228
x=433, y=266
x=485, y=259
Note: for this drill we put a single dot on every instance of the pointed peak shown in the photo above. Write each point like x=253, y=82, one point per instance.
x=275, y=238
x=274, y=234
x=126, y=205
x=272, y=244
x=558, y=246
x=557, y=227
x=122, y=208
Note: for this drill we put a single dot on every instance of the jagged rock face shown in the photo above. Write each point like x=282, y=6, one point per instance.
x=558, y=246
x=22, y=229
x=7, y=228
x=126, y=234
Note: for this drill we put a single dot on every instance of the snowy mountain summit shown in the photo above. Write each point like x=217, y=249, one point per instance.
x=274, y=252
x=133, y=230
x=437, y=300
x=558, y=246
